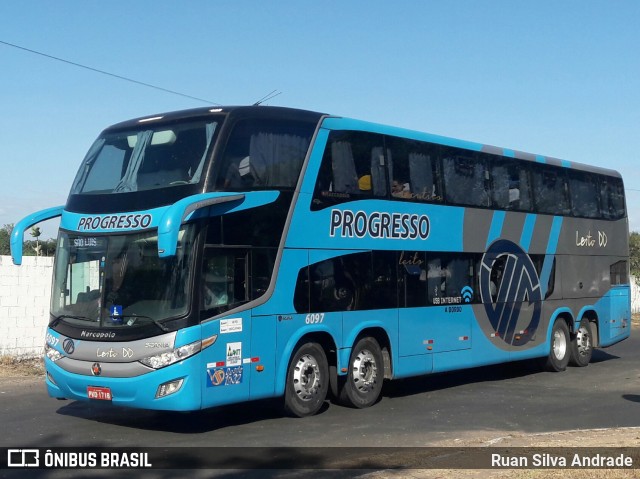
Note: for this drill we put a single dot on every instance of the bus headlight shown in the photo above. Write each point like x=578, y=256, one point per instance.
x=52, y=353
x=163, y=360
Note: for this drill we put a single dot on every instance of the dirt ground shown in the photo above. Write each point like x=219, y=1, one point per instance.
x=21, y=368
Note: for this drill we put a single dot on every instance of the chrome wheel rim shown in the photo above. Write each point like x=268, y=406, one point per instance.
x=559, y=345
x=306, y=377
x=583, y=341
x=365, y=371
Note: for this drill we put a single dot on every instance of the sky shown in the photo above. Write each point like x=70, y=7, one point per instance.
x=556, y=78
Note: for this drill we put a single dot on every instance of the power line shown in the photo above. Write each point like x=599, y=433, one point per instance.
x=120, y=77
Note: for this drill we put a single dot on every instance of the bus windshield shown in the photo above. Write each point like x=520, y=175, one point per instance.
x=146, y=159
x=113, y=281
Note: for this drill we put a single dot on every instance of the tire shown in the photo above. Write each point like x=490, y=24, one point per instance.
x=582, y=345
x=559, y=351
x=307, y=381
x=362, y=386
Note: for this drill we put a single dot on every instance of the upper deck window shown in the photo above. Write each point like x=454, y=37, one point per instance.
x=145, y=159
x=263, y=154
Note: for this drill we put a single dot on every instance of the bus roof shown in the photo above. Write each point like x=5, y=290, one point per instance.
x=338, y=122
x=236, y=111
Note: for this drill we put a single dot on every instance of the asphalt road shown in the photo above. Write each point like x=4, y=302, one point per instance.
x=424, y=411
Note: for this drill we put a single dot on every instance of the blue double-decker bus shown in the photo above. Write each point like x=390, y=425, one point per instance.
x=213, y=256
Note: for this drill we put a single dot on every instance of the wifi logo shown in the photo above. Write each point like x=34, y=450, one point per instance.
x=467, y=294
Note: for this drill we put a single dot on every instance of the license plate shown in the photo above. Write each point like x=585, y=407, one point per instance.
x=101, y=394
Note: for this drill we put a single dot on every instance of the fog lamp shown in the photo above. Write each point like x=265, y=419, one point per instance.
x=168, y=388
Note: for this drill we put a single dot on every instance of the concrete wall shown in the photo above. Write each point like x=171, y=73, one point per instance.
x=635, y=295
x=25, y=293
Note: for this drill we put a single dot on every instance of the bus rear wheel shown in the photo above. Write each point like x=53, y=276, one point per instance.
x=307, y=381
x=362, y=386
x=559, y=353
x=582, y=345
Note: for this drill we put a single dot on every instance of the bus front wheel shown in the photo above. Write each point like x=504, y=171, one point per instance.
x=581, y=345
x=307, y=381
x=559, y=353
x=362, y=386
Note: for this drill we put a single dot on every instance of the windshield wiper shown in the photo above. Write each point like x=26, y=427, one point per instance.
x=155, y=321
x=70, y=316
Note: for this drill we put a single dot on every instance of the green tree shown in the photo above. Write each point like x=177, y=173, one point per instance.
x=29, y=247
x=35, y=232
x=634, y=254
x=5, y=239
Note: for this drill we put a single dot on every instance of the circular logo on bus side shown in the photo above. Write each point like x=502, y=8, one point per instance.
x=510, y=292
x=68, y=346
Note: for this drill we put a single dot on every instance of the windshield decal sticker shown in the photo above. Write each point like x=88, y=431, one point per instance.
x=232, y=325
x=234, y=354
x=224, y=376
x=116, y=313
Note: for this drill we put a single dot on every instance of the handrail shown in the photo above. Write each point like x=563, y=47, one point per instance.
x=17, y=235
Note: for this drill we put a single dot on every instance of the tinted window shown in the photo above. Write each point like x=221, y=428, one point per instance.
x=339, y=284
x=612, y=194
x=224, y=279
x=359, y=281
x=466, y=178
x=550, y=190
x=264, y=154
x=619, y=273
x=511, y=186
x=353, y=166
x=413, y=279
x=261, y=226
x=301, y=293
x=447, y=275
x=414, y=170
x=584, y=194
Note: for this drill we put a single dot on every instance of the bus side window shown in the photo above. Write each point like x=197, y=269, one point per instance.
x=379, y=160
x=384, y=286
x=224, y=279
x=538, y=262
x=618, y=273
x=301, y=293
x=550, y=191
x=584, y=194
x=215, y=287
x=448, y=274
x=412, y=279
x=345, y=177
x=354, y=163
x=332, y=286
x=436, y=280
x=465, y=179
x=612, y=194
x=511, y=189
x=413, y=170
x=423, y=172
